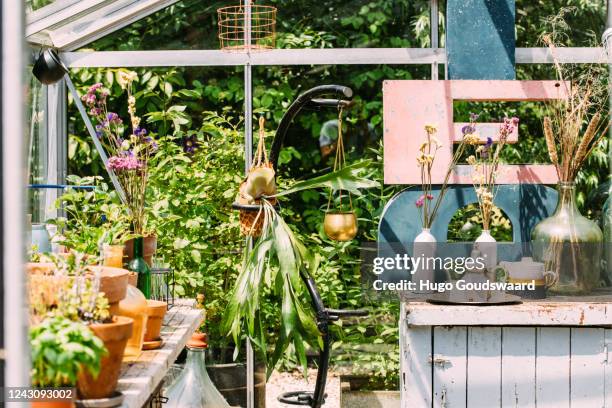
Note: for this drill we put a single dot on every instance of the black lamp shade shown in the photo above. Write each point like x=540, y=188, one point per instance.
x=48, y=67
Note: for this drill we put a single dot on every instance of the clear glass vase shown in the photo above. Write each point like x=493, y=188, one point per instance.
x=193, y=388
x=570, y=245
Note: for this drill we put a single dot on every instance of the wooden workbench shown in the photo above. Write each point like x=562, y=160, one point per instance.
x=140, y=378
x=548, y=353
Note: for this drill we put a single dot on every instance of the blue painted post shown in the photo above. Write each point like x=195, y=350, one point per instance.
x=480, y=39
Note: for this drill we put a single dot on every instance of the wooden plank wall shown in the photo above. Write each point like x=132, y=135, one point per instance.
x=517, y=367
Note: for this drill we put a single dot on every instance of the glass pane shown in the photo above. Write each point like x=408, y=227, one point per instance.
x=37, y=4
x=586, y=21
x=191, y=24
x=37, y=147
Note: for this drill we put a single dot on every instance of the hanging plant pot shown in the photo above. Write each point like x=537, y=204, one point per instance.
x=340, y=226
x=260, y=182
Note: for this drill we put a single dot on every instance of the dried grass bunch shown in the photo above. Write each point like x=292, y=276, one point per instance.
x=575, y=124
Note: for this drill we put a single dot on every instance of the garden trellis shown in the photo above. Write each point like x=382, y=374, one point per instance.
x=67, y=25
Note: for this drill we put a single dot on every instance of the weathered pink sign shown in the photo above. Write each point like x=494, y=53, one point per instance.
x=410, y=105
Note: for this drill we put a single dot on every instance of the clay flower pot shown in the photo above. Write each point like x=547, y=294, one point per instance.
x=340, y=226
x=198, y=340
x=52, y=404
x=113, y=282
x=156, y=310
x=150, y=246
x=115, y=336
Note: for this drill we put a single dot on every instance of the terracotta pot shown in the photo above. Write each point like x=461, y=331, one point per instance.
x=52, y=404
x=133, y=279
x=156, y=310
x=150, y=246
x=340, y=226
x=113, y=282
x=115, y=336
x=198, y=340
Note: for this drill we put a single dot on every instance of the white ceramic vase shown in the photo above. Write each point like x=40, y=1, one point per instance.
x=487, y=245
x=424, y=247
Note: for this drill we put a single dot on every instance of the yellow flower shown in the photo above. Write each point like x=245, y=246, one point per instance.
x=126, y=77
x=479, y=149
x=423, y=146
x=431, y=128
x=471, y=139
x=471, y=160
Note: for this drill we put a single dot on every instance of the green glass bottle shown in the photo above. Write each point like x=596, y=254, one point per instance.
x=139, y=266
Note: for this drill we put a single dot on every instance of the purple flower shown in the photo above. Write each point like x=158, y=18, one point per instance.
x=468, y=130
x=94, y=87
x=140, y=132
x=489, y=142
x=474, y=117
x=123, y=163
x=190, y=144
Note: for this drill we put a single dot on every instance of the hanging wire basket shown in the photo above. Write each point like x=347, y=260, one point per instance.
x=234, y=24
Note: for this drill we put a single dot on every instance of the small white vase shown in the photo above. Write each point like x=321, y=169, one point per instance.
x=424, y=247
x=487, y=245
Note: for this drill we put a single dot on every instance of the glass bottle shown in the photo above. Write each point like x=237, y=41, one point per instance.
x=570, y=246
x=193, y=388
x=135, y=306
x=140, y=266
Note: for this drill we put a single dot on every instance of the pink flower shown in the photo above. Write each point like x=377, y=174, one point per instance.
x=129, y=162
x=421, y=201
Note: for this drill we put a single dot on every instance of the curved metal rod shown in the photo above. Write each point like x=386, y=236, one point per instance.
x=311, y=96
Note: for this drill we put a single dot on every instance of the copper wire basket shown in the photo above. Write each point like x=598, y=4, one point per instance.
x=234, y=23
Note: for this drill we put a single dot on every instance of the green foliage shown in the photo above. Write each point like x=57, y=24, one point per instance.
x=197, y=230
x=60, y=350
x=93, y=216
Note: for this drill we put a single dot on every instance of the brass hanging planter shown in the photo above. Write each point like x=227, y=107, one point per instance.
x=260, y=182
x=340, y=223
x=247, y=27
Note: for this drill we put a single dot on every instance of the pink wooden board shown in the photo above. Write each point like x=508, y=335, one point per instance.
x=410, y=105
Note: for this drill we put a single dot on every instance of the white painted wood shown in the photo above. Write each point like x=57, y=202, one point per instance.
x=608, y=368
x=518, y=367
x=330, y=56
x=140, y=378
x=484, y=346
x=415, y=367
x=449, y=367
x=587, y=367
x=537, y=313
x=552, y=367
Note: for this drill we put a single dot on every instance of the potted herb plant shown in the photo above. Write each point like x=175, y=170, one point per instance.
x=78, y=298
x=61, y=351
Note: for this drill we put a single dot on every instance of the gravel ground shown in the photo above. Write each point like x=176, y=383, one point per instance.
x=285, y=382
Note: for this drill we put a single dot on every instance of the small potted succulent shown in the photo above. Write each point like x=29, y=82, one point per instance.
x=61, y=351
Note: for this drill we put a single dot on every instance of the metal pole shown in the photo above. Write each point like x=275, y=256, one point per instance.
x=435, y=43
x=94, y=137
x=607, y=43
x=16, y=352
x=248, y=156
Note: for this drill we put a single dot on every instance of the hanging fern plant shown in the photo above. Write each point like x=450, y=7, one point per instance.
x=278, y=261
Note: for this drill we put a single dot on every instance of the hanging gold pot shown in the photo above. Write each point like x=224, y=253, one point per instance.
x=340, y=226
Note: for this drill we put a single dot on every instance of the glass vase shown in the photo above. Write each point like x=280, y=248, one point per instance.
x=570, y=246
x=140, y=266
x=134, y=306
x=193, y=388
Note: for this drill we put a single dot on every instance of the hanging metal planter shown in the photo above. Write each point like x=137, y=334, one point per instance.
x=247, y=27
x=340, y=223
x=260, y=182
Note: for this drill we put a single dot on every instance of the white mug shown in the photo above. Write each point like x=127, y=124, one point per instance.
x=526, y=271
